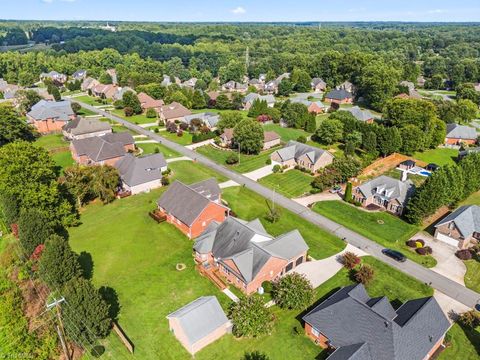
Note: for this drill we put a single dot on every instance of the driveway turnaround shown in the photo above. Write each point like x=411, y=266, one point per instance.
x=437, y=281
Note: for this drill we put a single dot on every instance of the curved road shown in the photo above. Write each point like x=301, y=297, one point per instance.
x=437, y=281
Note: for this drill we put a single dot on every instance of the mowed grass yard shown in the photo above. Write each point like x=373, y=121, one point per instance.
x=286, y=134
x=149, y=148
x=439, y=156
x=249, y=206
x=292, y=183
x=381, y=227
x=185, y=139
x=134, y=119
x=58, y=149
x=90, y=100
x=247, y=162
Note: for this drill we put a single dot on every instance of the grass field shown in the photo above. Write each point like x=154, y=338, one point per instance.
x=381, y=227
x=149, y=148
x=216, y=111
x=292, y=183
x=472, y=280
x=465, y=344
x=86, y=112
x=473, y=199
x=63, y=159
x=185, y=139
x=135, y=119
x=439, y=156
x=286, y=134
x=51, y=142
x=190, y=172
x=247, y=162
x=90, y=100
x=248, y=206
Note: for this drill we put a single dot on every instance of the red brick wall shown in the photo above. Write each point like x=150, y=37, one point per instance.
x=213, y=212
x=320, y=339
x=453, y=141
x=434, y=348
x=48, y=126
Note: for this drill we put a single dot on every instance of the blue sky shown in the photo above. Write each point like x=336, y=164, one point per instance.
x=242, y=10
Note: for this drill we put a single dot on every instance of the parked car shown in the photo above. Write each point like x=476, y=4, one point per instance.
x=336, y=189
x=395, y=255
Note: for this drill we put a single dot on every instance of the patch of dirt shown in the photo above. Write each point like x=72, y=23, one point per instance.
x=433, y=219
x=34, y=295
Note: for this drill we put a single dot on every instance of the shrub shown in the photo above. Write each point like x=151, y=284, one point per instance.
x=427, y=250
x=293, y=291
x=365, y=274
x=171, y=127
x=350, y=260
x=411, y=243
x=269, y=161
x=183, y=126
x=118, y=104
x=267, y=286
x=179, y=133
x=273, y=214
x=156, y=130
x=232, y=159
x=255, y=355
x=128, y=111
x=165, y=180
x=302, y=139
x=250, y=317
x=199, y=137
x=464, y=254
x=151, y=113
x=76, y=107
x=156, y=150
x=277, y=169
x=470, y=319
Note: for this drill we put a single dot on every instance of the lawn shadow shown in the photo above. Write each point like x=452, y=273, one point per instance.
x=473, y=335
x=111, y=298
x=86, y=263
x=431, y=228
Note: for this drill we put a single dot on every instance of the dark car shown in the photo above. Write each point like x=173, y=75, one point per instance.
x=395, y=255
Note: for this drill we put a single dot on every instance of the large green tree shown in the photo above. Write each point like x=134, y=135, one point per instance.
x=378, y=83
x=130, y=100
x=250, y=317
x=248, y=134
x=12, y=128
x=293, y=291
x=329, y=131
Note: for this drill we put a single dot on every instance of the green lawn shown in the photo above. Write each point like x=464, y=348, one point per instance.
x=135, y=119
x=90, y=100
x=216, y=111
x=439, y=156
x=86, y=112
x=391, y=233
x=465, y=344
x=63, y=159
x=247, y=162
x=185, y=139
x=51, y=142
x=473, y=199
x=286, y=134
x=190, y=172
x=472, y=280
x=248, y=206
x=292, y=183
x=149, y=148
x=397, y=174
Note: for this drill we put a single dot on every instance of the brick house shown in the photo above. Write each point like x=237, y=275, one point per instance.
x=199, y=323
x=50, y=116
x=316, y=107
x=191, y=208
x=104, y=91
x=339, y=96
x=461, y=228
x=355, y=326
x=89, y=83
x=147, y=102
x=82, y=128
x=102, y=150
x=270, y=139
x=385, y=192
x=458, y=134
x=305, y=156
x=173, y=112
x=246, y=255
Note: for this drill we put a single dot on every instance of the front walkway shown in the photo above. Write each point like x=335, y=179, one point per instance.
x=180, y=158
x=199, y=144
x=227, y=184
x=312, y=199
x=448, y=264
x=319, y=271
x=260, y=173
x=230, y=294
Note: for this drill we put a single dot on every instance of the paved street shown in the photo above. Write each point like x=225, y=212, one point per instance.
x=437, y=281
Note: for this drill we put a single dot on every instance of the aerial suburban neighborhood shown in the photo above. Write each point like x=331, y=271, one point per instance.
x=212, y=188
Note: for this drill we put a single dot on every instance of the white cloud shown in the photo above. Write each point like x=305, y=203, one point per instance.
x=239, y=10
x=437, y=11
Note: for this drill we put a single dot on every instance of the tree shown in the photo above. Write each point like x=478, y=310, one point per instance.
x=346, y=168
x=58, y=263
x=130, y=99
x=329, y=131
x=293, y=291
x=151, y=113
x=295, y=114
x=365, y=274
x=389, y=140
x=369, y=142
x=250, y=317
x=12, y=128
x=228, y=120
x=234, y=70
x=76, y=107
x=232, y=158
x=348, y=192
x=26, y=99
x=378, y=83
x=105, y=182
x=248, y=134
x=128, y=111
x=259, y=107
x=223, y=103
x=285, y=87
x=87, y=312
x=105, y=78
x=198, y=100
x=34, y=228
x=466, y=110
x=350, y=260
x=301, y=80
x=56, y=93
x=470, y=319
x=255, y=355
x=467, y=91
x=413, y=139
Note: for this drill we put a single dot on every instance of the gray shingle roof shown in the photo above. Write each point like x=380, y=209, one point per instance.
x=307, y=102
x=338, y=94
x=456, y=131
x=209, y=119
x=200, y=318
x=388, y=188
x=100, y=148
x=349, y=318
x=140, y=170
x=81, y=126
x=359, y=114
x=248, y=245
x=59, y=110
x=250, y=98
x=186, y=202
x=295, y=149
x=466, y=219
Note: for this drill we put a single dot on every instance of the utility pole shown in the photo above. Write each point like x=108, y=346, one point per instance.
x=60, y=329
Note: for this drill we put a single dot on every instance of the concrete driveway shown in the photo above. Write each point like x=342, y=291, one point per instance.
x=448, y=264
x=319, y=271
x=312, y=199
x=260, y=173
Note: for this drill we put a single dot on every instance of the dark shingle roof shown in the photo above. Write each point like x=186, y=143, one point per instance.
x=82, y=126
x=59, y=110
x=100, y=148
x=295, y=149
x=140, y=170
x=456, y=131
x=338, y=94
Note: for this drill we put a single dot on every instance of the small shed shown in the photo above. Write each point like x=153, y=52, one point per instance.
x=199, y=323
x=407, y=165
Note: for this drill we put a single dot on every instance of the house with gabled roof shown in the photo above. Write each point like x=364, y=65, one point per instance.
x=316, y=107
x=81, y=128
x=55, y=77
x=318, y=85
x=357, y=327
x=173, y=112
x=461, y=228
x=191, y=208
x=252, y=97
x=246, y=255
x=141, y=174
x=89, y=83
x=308, y=157
x=79, y=74
x=234, y=86
x=147, y=102
x=208, y=119
x=102, y=150
x=385, y=192
x=50, y=116
x=362, y=115
x=460, y=134
x=339, y=96
x=199, y=323
x=104, y=91
x=270, y=139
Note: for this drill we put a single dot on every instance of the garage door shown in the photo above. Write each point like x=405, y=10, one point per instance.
x=448, y=240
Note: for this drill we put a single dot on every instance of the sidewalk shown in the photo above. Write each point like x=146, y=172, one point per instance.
x=199, y=144
x=259, y=173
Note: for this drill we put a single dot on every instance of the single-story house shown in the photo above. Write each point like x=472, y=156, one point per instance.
x=89, y=83
x=339, y=96
x=208, y=119
x=358, y=327
x=257, y=84
x=79, y=75
x=386, y=192
x=56, y=77
x=234, y=86
x=104, y=91
x=250, y=99
x=191, y=208
x=141, y=174
x=173, y=112
x=361, y=115
x=305, y=156
x=318, y=85
x=316, y=107
x=147, y=102
x=457, y=134
x=50, y=116
x=407, y=164
x=246, y=255
x=461, y=228
x=81, y=128
x=102, y=150
x=199, y=323
x=272, y=86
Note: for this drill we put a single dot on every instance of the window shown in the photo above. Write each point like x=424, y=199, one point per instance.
x=299, y=261
x=315, y=332
x=204, y=224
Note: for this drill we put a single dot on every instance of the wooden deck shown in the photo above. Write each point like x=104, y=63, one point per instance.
x=213, y=275
x=157, y=216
